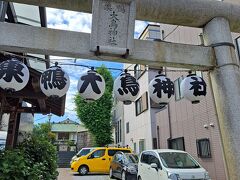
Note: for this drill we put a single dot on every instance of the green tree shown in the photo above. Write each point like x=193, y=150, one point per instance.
x=43, y=131
x=33, y=159
x=96, y=116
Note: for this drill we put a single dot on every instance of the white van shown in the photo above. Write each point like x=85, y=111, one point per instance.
x=168, y=164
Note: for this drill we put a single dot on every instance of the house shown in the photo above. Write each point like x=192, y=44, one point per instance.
x=180, y=125
x=71, y=136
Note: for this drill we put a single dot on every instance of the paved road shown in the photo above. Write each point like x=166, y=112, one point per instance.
x=66, y=174
x=91, y=177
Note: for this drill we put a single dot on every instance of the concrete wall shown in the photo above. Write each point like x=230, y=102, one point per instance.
x=233, y=1
x=25, y=126
x=140, y=127
x=4, y=122
x=84, y=139
x=118, y=116
x=188, y=120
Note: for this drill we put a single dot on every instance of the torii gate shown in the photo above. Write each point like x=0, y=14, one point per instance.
x=217, y=19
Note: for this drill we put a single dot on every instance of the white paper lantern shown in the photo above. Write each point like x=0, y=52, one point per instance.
x=126, y=88
x=161, y=89
x=91, y=85
x=54, y=82
x=193, y=88
x=14, y=75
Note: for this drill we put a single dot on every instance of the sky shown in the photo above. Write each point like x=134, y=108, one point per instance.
x=80, y=22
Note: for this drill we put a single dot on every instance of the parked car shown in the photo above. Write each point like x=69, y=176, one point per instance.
x=82, y=152
x=166, y=164
x=96, y=161
x=124, y=166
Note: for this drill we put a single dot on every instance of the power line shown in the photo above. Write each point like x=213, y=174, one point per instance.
x=40, y=118
x=170, y=32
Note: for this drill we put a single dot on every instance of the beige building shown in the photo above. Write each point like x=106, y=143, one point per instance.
x=180, y=125
x=71, y=136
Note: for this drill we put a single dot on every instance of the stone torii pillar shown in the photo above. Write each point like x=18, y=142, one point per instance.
x=226, y=89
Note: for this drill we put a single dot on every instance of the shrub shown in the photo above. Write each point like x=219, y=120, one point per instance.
x=13, y=165
x=34, y=159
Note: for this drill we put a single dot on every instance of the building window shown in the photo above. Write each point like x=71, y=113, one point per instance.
x=178, y=93
x=139, y=70
x=120, y=131
x=158, y=137
x=63, y=136
x=177, y=143
x=203, y=148
x=155, y=143
x=154, y=33
x=116, y=136
x=135, y=147
x=198, y=73
x=141, y=145
x=127, y=127
x=141, y=104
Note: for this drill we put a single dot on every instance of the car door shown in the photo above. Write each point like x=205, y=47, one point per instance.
x=115, y=165
x=97, y=161
x=119, y=165
x=143, y=166
x=155, y=173
x=110, y=154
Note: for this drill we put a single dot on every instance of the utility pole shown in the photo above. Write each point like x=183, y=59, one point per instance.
x=49, y=118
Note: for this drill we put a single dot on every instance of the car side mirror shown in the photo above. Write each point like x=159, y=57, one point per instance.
x=90, y=156
x=120, y=160
x=154, y=166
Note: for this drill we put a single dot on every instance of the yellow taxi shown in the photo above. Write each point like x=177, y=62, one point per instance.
x=97, y=161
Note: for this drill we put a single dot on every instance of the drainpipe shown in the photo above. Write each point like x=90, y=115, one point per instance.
x=169, y=116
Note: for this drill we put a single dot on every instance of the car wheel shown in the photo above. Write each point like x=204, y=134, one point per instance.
x=123, y=175
x=111, y=173
x=139, y=178
x=83, y=170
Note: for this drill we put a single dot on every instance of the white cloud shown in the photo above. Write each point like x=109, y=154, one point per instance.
x=69, y=20
x=76, y=21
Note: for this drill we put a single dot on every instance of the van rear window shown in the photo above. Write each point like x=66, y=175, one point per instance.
x=111, y=152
